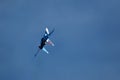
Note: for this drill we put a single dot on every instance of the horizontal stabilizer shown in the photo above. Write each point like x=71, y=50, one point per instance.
x=46, y=31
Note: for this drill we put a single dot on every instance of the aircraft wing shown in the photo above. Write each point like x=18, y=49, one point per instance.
x=45, y=50
x=50, y=42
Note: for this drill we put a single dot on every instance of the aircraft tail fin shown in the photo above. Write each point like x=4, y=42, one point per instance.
x=52, y=31
x=47, y=31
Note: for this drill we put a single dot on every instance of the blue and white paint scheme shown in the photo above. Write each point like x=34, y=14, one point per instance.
x=45, y=40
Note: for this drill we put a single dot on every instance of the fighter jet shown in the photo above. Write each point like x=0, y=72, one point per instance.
x=45, y=40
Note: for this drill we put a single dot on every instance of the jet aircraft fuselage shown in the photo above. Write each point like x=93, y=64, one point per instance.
x=43, y=41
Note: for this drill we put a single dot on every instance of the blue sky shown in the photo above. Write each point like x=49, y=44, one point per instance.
x=86, y=37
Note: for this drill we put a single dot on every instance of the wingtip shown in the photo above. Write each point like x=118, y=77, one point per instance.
x=53, y=45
